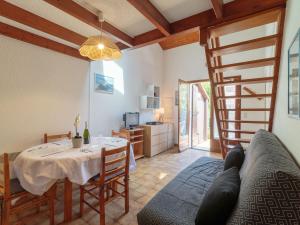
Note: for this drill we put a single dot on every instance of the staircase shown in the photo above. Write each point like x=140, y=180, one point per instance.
x=232, y=111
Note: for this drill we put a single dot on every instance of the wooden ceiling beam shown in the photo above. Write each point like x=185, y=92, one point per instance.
x=34, y=39
x=147, y=9
x=218, y=8
x=179, y=40
x=231, y=11
x=84, y=15
x=22, y=16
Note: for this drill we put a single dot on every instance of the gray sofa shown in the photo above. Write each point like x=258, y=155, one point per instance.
x=269, y=192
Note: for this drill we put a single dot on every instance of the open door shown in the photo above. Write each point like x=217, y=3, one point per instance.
x=183, y=115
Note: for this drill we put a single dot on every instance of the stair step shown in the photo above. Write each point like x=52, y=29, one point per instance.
x=241, y=140
x=247, y=23
x=238, y=131
x=245, y=121
x=247, y=109
x=245, y=46
x=245, y=65
x=245, y=81
x=245, y=96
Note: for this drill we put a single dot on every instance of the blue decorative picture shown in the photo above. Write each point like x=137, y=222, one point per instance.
x=104, y=84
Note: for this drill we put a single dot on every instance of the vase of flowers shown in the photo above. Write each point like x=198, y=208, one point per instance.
x=77, y=140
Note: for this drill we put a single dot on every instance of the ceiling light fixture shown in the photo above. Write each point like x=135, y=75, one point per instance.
x=100, y=47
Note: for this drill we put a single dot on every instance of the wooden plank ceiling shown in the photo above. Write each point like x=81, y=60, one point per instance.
x=168, y=35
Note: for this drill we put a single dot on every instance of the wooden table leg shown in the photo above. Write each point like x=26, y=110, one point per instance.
x=68, y=201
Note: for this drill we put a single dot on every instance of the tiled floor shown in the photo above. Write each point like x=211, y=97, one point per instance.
x=152, y=175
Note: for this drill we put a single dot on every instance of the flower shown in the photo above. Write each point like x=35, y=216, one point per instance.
x=76, y=124
x=77, y=120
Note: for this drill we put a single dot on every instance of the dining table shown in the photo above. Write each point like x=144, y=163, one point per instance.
x=38, y=168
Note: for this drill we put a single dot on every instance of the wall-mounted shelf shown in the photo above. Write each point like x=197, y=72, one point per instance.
x=148, y=102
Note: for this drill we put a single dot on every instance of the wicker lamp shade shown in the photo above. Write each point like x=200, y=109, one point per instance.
x=100, y=48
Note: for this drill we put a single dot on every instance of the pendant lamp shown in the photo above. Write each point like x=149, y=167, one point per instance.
x=100, y=47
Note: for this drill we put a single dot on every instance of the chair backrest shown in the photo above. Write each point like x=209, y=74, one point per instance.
x=5, y=176
x=49, y=138
x=114, y=162
x=120, y=134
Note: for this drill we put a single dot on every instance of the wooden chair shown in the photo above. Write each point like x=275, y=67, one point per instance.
x=120, y=134
x=50, y=138
x=114, y=166
x=15, y=199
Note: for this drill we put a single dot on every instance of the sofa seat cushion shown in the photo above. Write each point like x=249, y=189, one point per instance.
x=178, y=202
x=270, y=184
x=220, y=198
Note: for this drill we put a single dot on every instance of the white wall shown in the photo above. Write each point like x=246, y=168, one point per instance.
x=187, y=62
x=132, y=74
x=287, y=129
x=40, y=91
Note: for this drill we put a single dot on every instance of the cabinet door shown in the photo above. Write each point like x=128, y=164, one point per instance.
x=164, y=146
x=155, y=149
x=155, y=130
x=163, y=137
x=155, y=139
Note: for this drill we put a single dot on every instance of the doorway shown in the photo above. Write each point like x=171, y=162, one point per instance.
x=194, y=126
x=200, y=115
x=198, y=129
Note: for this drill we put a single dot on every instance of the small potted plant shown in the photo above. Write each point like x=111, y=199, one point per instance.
x=77, y=140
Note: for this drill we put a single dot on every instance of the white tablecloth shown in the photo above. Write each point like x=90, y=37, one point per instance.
x=39, y=167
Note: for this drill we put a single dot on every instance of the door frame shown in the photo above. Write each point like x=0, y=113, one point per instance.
x=211, y=131
x=193, y=85
x=178, y=119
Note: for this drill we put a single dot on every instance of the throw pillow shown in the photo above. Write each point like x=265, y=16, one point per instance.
x=220, y=199
x=235, y=157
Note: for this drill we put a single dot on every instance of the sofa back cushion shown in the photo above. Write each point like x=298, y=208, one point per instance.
x=270, y=184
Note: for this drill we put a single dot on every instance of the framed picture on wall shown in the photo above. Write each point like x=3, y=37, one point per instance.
x=293, y=77
x=104, y=84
